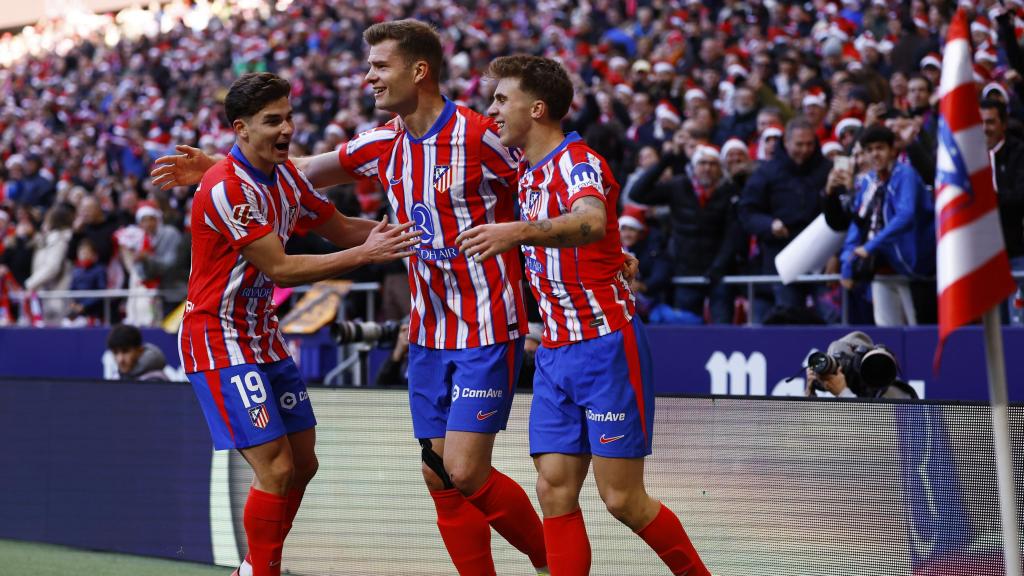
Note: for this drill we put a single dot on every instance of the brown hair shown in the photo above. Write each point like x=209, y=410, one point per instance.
x=540, y=77
x=416, y=41
x=252, y=92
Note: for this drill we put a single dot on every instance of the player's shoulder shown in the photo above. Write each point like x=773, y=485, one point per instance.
x=225, y=175
x=384, y=133
x=476, y=119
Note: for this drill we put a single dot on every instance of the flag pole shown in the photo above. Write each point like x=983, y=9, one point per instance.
x=1001, y=442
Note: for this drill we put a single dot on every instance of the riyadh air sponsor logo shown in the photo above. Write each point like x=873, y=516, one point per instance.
x=608, y=440
x=481, y=415
x=605, y=416
x=257, y=292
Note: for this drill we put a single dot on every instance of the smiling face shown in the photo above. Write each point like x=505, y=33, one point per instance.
x=393, y=77
x=267, y=135
x=513, y=110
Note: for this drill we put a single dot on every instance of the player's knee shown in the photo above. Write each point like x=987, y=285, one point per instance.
x=305, y=472
x=433, y=481
x=277, y=474
x=467, y=476
x=554, y=494
x=620, y=504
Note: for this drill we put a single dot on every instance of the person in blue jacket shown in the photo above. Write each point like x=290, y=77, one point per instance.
x=891, y=240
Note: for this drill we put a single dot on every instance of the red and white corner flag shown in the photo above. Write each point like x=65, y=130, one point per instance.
x=973, y=268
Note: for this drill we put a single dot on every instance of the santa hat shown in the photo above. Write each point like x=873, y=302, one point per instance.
x=815, y=97
x=829, y=146
x=147, y=208
x=666, y=111
x=663, y=67
x=633, y=217
x=981, y=74
x=730, y=145
x=981, y=25
x=706, y=151
x=865, y=41
x=932, y=59
x=995, y=87
x=772, y=131
x=986, y=55
x=736, y=70
x=921, y=21
x=694, y=93
x=846, y=123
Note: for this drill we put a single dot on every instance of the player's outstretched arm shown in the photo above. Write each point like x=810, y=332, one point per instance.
x=186, y=168
x=584, y=224
x=323, y=170
x=344, y=231
x=384, y=244
x=182, y=169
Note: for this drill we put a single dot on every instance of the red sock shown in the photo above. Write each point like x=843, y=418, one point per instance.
x=465, y=533
x=666, y=536
x=294, y=500
x=508, y=509
x=263, y=519
x=568, y=545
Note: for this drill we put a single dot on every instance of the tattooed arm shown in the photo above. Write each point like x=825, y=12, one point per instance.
x=584, y=224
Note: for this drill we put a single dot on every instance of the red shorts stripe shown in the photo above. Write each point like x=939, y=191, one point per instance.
x=636, y=378
x=213, y=382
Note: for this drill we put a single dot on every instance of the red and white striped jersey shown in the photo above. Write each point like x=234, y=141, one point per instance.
x=580, y=291
x=457, y=176
x=229, y=315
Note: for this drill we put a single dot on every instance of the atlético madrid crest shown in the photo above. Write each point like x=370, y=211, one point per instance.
x=259, y=416
x=442, y=178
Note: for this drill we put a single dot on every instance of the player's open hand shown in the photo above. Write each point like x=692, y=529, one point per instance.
x=386, y=242
x=182, y=169
x=488, y=240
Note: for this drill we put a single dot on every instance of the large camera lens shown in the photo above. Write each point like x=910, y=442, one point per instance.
x=349, y=331
x=878, y=368
x=822, y=364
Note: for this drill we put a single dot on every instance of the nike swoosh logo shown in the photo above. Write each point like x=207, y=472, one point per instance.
x=275, y=562
x=605, y=440
x=482, y=416
x=395, y=181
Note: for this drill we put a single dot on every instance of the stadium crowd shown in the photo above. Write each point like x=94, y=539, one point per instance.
x=720, y=118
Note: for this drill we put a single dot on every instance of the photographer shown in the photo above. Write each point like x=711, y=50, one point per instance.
x=855, y=367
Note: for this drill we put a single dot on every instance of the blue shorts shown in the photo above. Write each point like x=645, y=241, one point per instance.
x=595, y=397
x=252, y=404
x=468, y=390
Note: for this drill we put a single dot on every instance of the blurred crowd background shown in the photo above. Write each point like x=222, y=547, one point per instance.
x=731, y=126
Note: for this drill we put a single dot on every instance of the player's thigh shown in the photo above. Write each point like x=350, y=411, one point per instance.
x=239, y=406
x=303, y=445
x=483, y=383
x=270, y=460
x=617, y=393
x=618, y=476
x=290, y=394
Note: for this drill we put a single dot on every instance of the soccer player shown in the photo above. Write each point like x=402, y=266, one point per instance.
x=250, y=390
x=445, y=171
x=593, y=398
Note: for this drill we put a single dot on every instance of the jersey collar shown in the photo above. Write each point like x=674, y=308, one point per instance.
x=256, y=174
x=446, y=114
x=569, y=139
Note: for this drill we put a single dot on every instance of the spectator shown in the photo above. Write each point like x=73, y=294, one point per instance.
x=50, y=268
x=19, y=246
x=88, y=274
x=892, y=232
x=98, y=227
x=37, y=189
x=780, y=200
x=165, y=264
x=136, y=360
x=704, y=235
x=1007, y=154
x=654, y=277
x=736, y=162
x=742, y=123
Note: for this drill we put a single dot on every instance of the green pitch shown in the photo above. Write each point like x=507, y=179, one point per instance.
x=32, y=559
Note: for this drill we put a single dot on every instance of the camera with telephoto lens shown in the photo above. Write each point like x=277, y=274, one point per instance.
x=867, y=367
x=352, y=331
